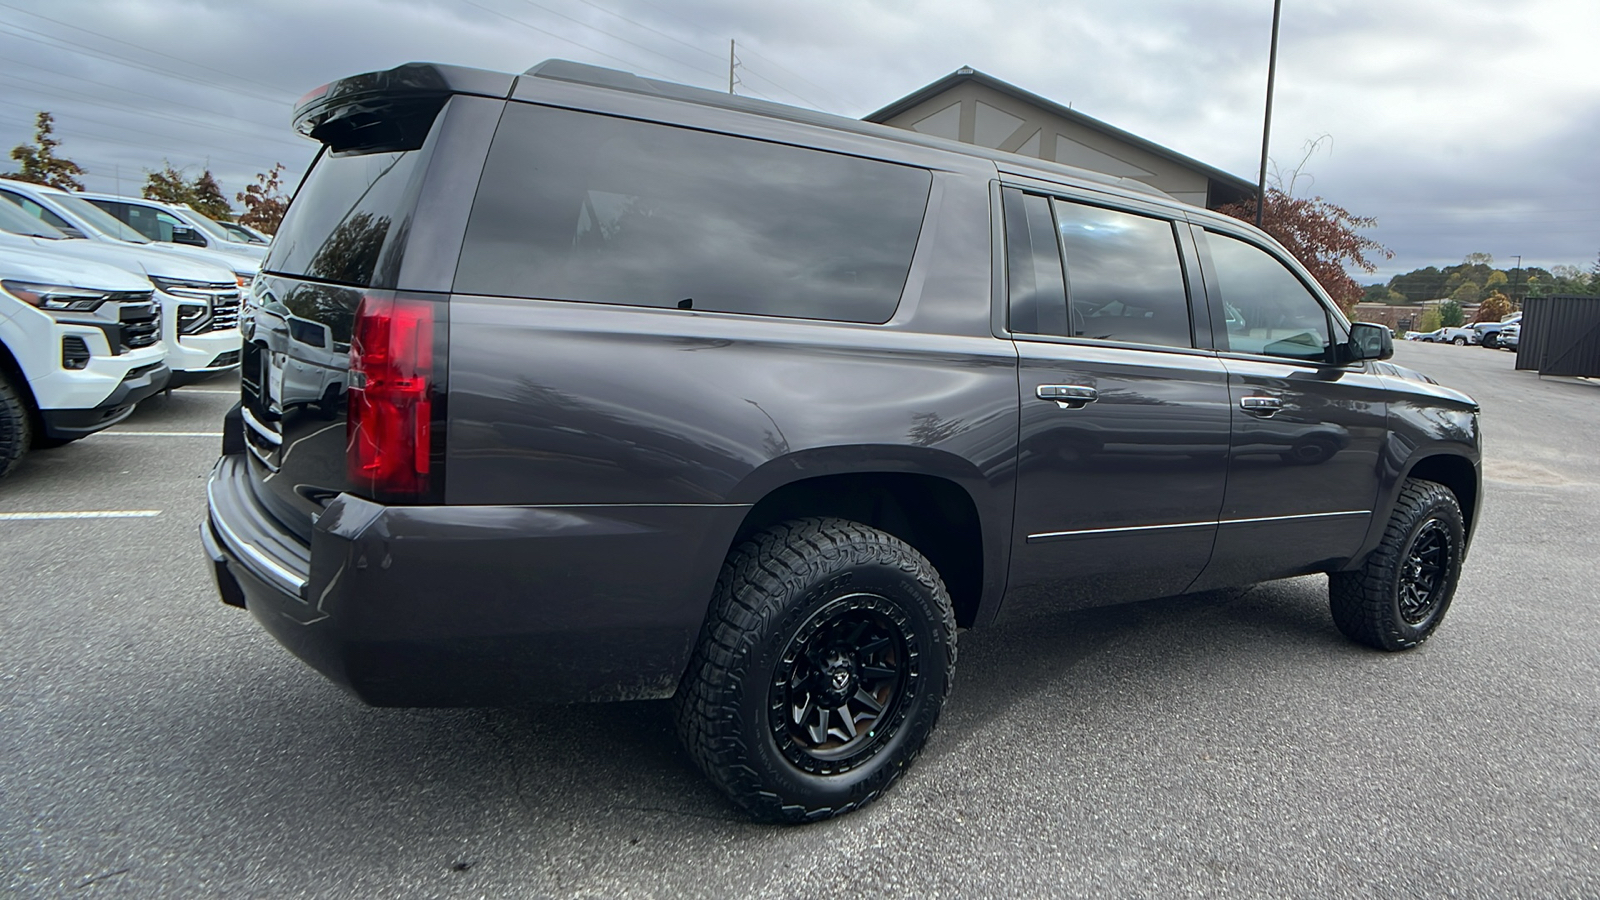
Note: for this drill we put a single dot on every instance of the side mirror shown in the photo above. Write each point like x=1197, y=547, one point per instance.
x=182, y=234
x=1368, y=341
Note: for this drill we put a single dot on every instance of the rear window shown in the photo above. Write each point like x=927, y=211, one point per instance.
x=574, y=206
x=347, y=223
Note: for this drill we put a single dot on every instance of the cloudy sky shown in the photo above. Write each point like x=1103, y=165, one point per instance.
x=1461, y=125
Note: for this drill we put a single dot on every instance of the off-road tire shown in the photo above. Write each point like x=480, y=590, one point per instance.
x=16, y=428
x=1378, y=604
x=786, y=597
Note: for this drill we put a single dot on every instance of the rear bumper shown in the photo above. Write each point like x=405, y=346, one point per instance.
x=474, y=606
x=67, y=424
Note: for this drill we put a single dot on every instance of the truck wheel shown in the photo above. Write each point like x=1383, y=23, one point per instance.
x=1490, y=341
x=821, y=669
x=1459, y=342
x=1400, y=594
x=16, y=432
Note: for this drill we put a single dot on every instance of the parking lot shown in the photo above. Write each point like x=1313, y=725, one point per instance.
x=154, y=742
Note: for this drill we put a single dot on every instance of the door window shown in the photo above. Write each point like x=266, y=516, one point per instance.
x=1124, y=277
x=1265, y=308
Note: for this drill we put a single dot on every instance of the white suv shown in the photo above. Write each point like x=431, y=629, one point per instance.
x=199, y=302
x=80, y=344
x=175, y=223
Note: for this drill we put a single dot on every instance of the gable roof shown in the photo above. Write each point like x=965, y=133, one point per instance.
x=968, y=74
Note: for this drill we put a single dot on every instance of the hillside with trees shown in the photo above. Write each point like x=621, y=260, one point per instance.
x=1476, y=280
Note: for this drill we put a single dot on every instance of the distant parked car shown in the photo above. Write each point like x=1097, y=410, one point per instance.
x=1509, y=336
x=1461, y=337
x=175, y=224
x=1489, y=332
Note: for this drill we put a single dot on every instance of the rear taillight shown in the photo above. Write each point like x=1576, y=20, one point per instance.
x=395, y=392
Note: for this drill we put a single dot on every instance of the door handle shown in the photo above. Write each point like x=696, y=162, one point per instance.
x=1260, y=407
x=1068, y=396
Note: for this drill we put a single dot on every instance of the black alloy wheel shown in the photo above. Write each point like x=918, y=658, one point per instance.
x=1399, y=595
x=821, y=669
x=1423, y=574
x=842, y=684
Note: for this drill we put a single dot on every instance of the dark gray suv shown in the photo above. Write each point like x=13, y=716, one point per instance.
x=579, y=386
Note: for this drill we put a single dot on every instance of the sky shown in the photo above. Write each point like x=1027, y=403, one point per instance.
x=1462, y=126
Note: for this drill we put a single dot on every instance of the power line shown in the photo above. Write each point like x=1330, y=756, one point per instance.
x=30, y=34
x=563, y=38
x=615, y=37
x=80, y=97
x=226, y=74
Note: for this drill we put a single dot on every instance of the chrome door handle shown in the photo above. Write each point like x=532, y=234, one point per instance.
x=1260, y=407
x=1068, y=396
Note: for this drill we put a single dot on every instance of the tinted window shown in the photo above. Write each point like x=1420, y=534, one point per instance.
x=1124, y=278
x=1266, y=308
x=347, y=223
x=1033, y=259
x=97, y=218
x=575, y=206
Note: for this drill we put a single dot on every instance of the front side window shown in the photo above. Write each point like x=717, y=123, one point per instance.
x=577, y=206
x=1124, y=276
x=1266, y=309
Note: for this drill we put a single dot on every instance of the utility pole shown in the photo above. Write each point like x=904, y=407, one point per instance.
x=730, y=65
x=1515, y=304
x=1266, y=127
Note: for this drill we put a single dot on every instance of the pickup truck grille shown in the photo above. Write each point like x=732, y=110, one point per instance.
x=141, y=325
x=224, y=311
x=221, y=299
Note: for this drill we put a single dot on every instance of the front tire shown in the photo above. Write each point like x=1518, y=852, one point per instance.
x=1489, y=341
x=16, y=429
x=821, y=669
x=1400, y=594
x=1459, y=342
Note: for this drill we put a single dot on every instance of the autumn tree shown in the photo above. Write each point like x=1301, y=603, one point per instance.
x=1321, y=235
x=1494, y=307
x=202, y=193
x=264, y=202
x=39, y=162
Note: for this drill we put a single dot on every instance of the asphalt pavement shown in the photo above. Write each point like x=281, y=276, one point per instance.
x=155, y=743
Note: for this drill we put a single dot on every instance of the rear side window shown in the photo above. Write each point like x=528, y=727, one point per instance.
x=349, y=219
x=1124, y=277
x=574, y=206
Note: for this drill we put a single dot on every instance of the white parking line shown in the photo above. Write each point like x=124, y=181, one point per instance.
x=85, y=514
x=204, y=434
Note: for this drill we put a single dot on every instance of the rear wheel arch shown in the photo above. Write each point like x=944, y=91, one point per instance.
x=935, y=515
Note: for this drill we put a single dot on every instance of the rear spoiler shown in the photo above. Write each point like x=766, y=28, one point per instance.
x=390, y=110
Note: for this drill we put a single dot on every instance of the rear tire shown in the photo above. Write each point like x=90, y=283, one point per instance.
x=1459, y=342
x=1400, y=594
x=821, y=669
x=16, y=427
